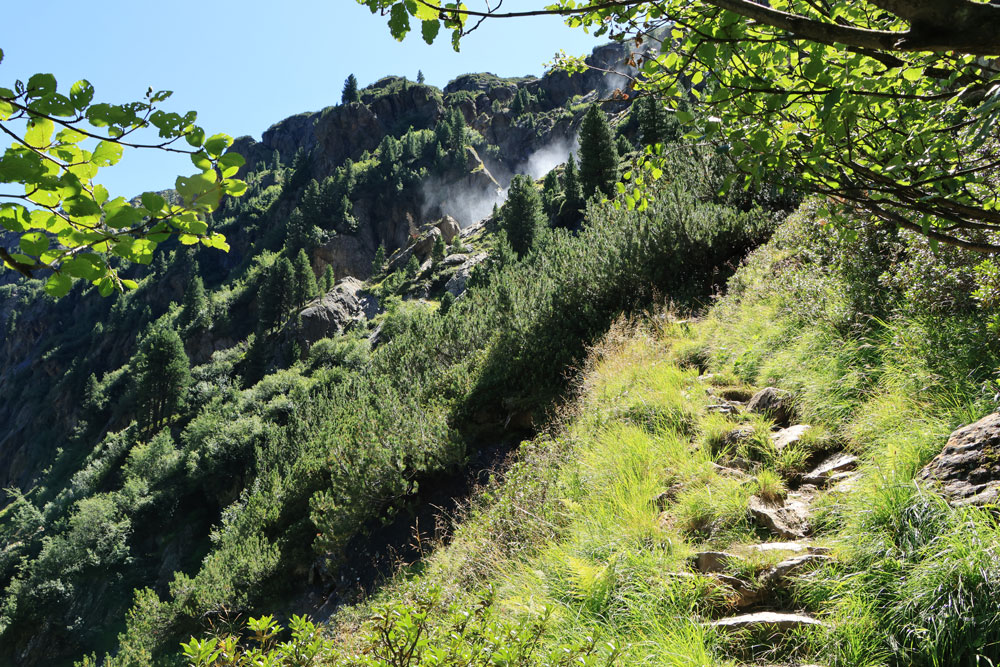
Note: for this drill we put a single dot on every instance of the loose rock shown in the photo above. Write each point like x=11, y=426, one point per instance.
x=967, y=471
x=773, y=403
x=789, y=436
x=788, y=520
x=832, y=465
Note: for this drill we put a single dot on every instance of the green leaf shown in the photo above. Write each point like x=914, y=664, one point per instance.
x=58, y=285
x=81, y=94
x=39, y=132
x=230, y=164
x=153, y=202
x=201, y=160
x=217, y=143
x=912, y=74
x=195, y=136
x=40, y=85
x=399, y=21
x=106, y=154
x=429, y=30
x=34, y=243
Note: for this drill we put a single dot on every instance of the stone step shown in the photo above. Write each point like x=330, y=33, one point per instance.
x=832, y=465
x=707, y=562
x=765, y=620
x=777, y=575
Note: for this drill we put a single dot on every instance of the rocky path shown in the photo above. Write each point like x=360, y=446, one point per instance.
x=757, y=595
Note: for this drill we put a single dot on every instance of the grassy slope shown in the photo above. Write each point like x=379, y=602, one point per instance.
x=576, y=526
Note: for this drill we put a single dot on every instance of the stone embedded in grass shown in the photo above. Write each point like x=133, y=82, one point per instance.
x=773, y=403
x=746, y=594
x=713, y=561
x=721, y=408
x=967, y=471
x=832, y=465
x=788, y=520
x=776, y=575
x=766, y=620
x=789, y=436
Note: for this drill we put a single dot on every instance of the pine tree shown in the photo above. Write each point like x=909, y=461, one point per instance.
x=598, y=154
x=522, y=215
x=277, y=294
x=412, y=268
x=162, y=376
x=300, y=233
x=350, y=92
x=572, y=204
x=378, y=264
x=439, y=251
x=551, y=196
x=447, y=301
x=305, y=279
x=420, y=76
x=194, y=306
x=329, y=279
x=301, y=170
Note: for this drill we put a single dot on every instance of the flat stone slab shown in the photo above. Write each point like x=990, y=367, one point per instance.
x=786, y=568
x=794, y=547
x=789, y=436
x=967, y=471
x=765, y=620
x=832, y=465
x=746, y=595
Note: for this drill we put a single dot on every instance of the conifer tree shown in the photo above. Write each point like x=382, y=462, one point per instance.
x=350, y=92
x=522, y=215
x=305, y=279
x=439, y=251
x=162, y=376
x=412, y=268
x=300, y=233
x=550, y=196
x=447, y=301
x=378, y=264
x=276, y=295
x=420, y=76
x=572, y=194
x=329, y=279
x=194, y=306
x=598, y=154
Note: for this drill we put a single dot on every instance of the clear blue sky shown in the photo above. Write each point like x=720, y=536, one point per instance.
x=246, y=64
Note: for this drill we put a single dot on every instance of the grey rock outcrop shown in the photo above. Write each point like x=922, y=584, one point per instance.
x=789, y=436
x=459, y=281
x=334, y=312
x=967, y=471
x=830, y=468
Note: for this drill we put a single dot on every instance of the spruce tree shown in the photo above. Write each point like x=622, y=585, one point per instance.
x=350, y=92
x=276, y=295
x=162, y=376
x=305, y=279
x=550, y=196
x=447, y=301
x=378, y=264
x=572, y=204
x=194, y=306
x=522, y=215
x=439, y=251
x=420, y=76
x=412, y=268
x=329, y=279
x=598, y=154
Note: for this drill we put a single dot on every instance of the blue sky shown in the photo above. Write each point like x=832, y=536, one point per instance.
x=244, y=65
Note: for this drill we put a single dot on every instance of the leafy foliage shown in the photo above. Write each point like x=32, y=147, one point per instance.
x=71, y=226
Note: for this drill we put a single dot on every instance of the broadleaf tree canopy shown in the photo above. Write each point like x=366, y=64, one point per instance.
x=68, y=227
x=890, y=108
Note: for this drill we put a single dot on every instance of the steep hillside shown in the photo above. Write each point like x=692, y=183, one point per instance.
x=805, y=474
x=264, y=429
